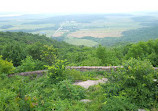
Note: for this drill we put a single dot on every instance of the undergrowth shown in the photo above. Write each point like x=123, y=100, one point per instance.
x=128, y=89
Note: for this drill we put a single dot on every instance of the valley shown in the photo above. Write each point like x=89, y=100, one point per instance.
x=76, y=29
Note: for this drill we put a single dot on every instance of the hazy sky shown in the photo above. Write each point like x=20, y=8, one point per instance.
x=77, y=6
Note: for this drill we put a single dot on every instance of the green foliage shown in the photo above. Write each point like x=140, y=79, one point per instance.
x=101, y=101
x=14, y=52
x=5, y=66
x=118, y=103
x=76, y=55
x=91, y=61
x=139, y=50
x=35, y=50
x=102, y=54
x=134, y=81
x=106, y=56
x=74, y=75
x=42, y=52
x=28, y=64
x=70, y=105
x=139, y=83
x=144, y=50
x=8, y=100
x=49, y=54
x=56, y=71
x=69, y=91
x=24, y=38
x=15, y=46
x=132, y=87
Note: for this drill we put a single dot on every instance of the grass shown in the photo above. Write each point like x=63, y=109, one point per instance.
x=78, y=41
x=98, y=33
x=112, y=27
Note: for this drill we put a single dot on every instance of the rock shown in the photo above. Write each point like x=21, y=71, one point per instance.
x=88, y=83
x=85, y=100
x=141, y=110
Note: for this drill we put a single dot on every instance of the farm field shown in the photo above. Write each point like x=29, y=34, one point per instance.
x=74, y=28
x=98, y=33
x=78, y=41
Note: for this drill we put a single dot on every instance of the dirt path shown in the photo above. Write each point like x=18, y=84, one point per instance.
x=88, y=83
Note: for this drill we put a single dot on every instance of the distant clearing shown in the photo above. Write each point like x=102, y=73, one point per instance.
x=97, y=33
x=78, y=41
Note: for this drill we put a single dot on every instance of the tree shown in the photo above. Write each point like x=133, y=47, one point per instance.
x=45, y=53
x=5, y=66
x=101, y=54
x=14, y=52
x=107, y=56
x=35, y=50
x=49, y=54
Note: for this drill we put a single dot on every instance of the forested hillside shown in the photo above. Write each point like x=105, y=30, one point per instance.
x=133, y=87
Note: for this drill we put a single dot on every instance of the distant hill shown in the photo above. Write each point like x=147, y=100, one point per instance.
x=86, y=29
x=28, y=38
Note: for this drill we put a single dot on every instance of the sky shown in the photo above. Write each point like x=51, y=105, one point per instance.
x=77, y=6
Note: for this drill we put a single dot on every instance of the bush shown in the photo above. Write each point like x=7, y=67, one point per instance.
x=14, y=52
x=134, y=81
x=138, y=82
x=69, y=91
x=56, y=71
x=73, y=75
x=91, y=61
x=118, y=103
x=28, y=64
x=5, y=66
x=8, y=101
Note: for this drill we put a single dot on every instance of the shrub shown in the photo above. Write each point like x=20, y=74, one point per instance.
x=138, y=82
x=118, y=103
x=91, y=61
x=69, y=91
x=56, y=71
x=8, y=101
x=14, y=52
x=5, y=66
x=134, y=81
x=28, y=64
x=73, y=75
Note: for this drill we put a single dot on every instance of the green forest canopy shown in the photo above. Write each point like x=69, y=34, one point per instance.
x=130, y=88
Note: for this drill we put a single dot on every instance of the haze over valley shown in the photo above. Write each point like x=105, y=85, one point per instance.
x=85, y=29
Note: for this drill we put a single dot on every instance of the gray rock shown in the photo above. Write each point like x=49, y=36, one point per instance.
x=85, y=100
x=88, y=83
x=141, y=110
